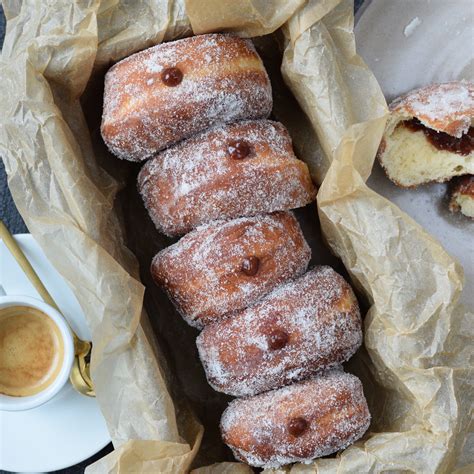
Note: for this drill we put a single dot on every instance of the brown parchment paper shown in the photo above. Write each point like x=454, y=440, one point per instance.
x=416, y=364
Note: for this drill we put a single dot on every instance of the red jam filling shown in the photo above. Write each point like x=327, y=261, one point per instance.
x=297, y=426
x=238, y=149
x=444, y=141
x=171, y=76
x=250, y=266
x=277, y=339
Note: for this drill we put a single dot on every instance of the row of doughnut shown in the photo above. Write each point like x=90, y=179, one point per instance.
x=221, y=173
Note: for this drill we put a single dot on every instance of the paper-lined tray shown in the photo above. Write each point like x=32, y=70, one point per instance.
x=414, y=368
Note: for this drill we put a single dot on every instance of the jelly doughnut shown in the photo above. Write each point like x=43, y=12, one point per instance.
x=236, y=170
x=462, y=196
x=171, y=91
x=297, y=423
x=301, y=327
x=226, y=266
x=429, y=135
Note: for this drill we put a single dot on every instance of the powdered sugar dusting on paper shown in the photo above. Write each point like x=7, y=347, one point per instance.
x=202, y=272
x=196, y=181
x=256, y=428
x=319, y=313
x=223, y=80
x=411, y=27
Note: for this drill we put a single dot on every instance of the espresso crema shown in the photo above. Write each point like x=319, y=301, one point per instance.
x=31, y=351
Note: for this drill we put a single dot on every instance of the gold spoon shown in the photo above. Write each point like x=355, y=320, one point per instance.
x=80, y=371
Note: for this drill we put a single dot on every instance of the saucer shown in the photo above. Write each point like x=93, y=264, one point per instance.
x=69, y=428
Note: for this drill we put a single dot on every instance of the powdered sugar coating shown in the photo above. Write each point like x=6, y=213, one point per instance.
x=333, y=404
x=447, y=107
x=317, y=311
x=223, y=80
x=196, y=181
x=202, y=272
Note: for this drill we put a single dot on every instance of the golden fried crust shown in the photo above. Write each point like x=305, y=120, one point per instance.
x=203, y=272
x=447, y=107
x=198, y=180
x=223, y=80
x=297, y=423
x=462, y=193
x=304, y=326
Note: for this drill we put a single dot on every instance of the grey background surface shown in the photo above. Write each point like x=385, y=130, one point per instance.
x=14, y=222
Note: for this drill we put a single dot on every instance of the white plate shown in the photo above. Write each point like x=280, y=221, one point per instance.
x=69, y=428
x=408, y=44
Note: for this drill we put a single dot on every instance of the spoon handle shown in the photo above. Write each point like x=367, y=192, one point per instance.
x=25, y=265
x=29, y=271
x=80, y=378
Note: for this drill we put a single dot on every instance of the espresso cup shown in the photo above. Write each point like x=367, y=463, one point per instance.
x=36, y=352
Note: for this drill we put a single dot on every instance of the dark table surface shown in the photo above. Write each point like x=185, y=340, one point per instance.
x=14, y=222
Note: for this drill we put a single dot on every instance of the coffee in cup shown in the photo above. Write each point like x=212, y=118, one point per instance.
x=31, y=351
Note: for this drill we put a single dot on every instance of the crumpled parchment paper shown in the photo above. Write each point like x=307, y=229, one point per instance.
x=416, y=364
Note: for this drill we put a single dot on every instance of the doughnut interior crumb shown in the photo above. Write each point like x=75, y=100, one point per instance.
x=409, y=159
x=466, y=205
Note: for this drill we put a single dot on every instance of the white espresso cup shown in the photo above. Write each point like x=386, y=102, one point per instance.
x=36, y=355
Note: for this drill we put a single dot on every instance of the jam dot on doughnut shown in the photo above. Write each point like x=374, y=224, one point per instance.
x=171, y=76
x=238, y=149
x=250, y=265
x=297, y=426
x=277, y=339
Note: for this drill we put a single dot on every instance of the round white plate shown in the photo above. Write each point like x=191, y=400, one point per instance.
x=70, y=427
x=409, y=44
